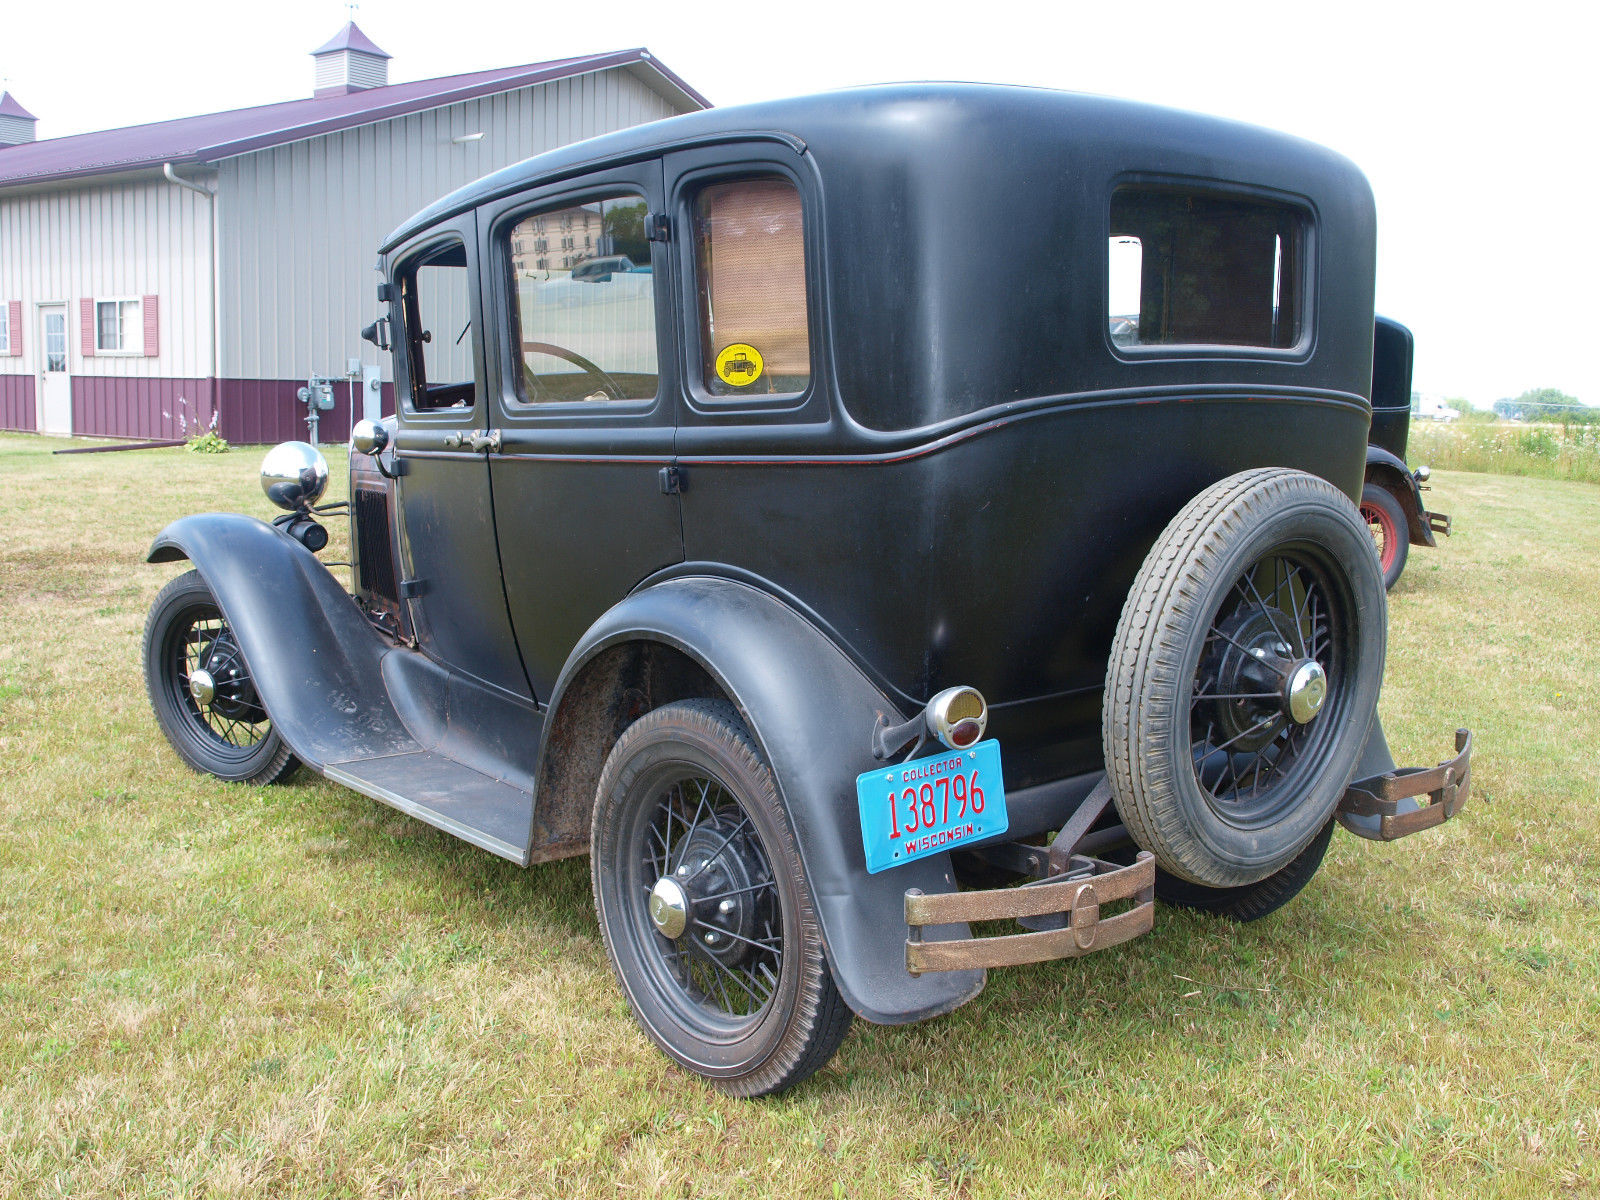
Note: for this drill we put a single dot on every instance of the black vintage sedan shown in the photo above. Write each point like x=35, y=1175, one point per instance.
x=953, y=519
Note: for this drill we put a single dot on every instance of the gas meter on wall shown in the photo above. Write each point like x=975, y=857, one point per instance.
x=318, y=393
x=317, y=396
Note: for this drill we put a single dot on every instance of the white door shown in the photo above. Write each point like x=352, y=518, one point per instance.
x=55, y=385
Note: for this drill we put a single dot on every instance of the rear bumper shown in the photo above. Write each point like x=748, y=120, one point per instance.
x=1409, y=800
x=1064, y=911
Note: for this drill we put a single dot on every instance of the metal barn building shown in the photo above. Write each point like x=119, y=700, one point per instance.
x=154, y=276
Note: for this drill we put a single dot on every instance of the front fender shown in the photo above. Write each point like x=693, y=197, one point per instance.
x=812, y=712
x=1390, y=473
x=315, y=660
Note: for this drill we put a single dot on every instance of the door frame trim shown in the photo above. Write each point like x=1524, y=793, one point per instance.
x=39, y=307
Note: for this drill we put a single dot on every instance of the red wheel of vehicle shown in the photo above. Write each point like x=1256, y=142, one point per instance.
x=1387, y=521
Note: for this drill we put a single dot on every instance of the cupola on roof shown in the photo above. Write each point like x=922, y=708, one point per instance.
x=348, y=62
x=17, y=124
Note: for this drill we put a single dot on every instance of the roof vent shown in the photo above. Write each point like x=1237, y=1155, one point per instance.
x=349, y=62
x=16, y=123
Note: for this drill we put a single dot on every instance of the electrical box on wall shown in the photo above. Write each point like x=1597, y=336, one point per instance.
x=372, y=393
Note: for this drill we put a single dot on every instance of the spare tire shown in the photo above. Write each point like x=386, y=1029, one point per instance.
x=1244, y=676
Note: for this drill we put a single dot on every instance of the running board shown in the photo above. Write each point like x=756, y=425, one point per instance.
x=448, y=795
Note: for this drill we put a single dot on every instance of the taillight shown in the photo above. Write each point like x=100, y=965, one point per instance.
x=958, y=716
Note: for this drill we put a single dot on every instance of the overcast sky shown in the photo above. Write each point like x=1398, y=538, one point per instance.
x=1478, y=125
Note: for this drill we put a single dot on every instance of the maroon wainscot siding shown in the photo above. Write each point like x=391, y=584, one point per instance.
x=121, y=407
x=269, y=410
x=17, y=410
x=16, y=391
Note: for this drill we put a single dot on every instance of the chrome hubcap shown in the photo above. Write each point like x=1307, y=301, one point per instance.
x=669, y=907
x=202, y=687
x=1306, y=690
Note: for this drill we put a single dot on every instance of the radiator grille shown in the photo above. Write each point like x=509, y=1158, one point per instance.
x=374, y=547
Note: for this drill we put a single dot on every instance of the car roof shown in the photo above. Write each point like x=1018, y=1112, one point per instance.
x=862, y=126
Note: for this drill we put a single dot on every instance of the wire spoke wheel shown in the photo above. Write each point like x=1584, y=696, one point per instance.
x=1244, y=679
x=704, y=904
x=1383, y=533
x=1271, y=664
x=202, y=691
x=213, y=682
x=1386, y=521
x=722, y=965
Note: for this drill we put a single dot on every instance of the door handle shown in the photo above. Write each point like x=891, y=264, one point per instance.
x=489, y=439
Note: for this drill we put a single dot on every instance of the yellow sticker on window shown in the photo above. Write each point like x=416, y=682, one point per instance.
x=739, y=365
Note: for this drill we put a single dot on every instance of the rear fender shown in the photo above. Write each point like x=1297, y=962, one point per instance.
x=314, y=658
x=1389, y=473
x=812, y=712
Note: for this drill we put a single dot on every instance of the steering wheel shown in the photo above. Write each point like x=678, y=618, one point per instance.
x=606, y=383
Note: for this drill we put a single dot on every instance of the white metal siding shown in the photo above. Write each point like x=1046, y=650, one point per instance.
x=299, y=225
x=351, y=67
x=127, y=239
x=366, y=70
x=16, y=130
x=329, y=70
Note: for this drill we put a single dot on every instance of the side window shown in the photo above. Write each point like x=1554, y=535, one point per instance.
x=1190, y=267
x=750, y=274
x=585, y=307
x=438, y=317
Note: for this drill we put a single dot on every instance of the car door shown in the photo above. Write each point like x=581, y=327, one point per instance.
x=447, y=533
x=585, y=497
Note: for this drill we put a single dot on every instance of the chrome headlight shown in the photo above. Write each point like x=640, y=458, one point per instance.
x=294, y=475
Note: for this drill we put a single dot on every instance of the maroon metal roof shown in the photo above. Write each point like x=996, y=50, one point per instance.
x=10, y=108
x=350, y=38
x=214, y=136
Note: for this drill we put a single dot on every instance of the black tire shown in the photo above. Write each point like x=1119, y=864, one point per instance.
x=1391, y=533
x=1250, y=901
x=1264, y=582
x=229, y=734
x=741, y=993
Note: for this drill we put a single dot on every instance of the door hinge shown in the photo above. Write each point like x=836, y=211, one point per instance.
x=671, y=481
x=660, y=228
x=410, y=589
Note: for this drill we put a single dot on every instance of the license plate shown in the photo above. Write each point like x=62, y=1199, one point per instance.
x=931, y=804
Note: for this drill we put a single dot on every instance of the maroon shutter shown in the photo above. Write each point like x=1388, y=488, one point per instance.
x=14, y=318
x=152, y=326
x=86, y=327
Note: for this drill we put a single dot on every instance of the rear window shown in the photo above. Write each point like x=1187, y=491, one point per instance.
x=1188, y=267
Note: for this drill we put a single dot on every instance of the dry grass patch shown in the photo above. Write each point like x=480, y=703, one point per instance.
x=225, y=991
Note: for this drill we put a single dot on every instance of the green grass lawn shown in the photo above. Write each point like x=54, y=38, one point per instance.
x=212, y=990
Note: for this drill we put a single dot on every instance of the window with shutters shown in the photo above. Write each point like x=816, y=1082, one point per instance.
x=119, y=326
x=5, y=330
x=750, y=275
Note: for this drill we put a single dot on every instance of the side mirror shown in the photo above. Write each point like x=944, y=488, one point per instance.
x=369, y=437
